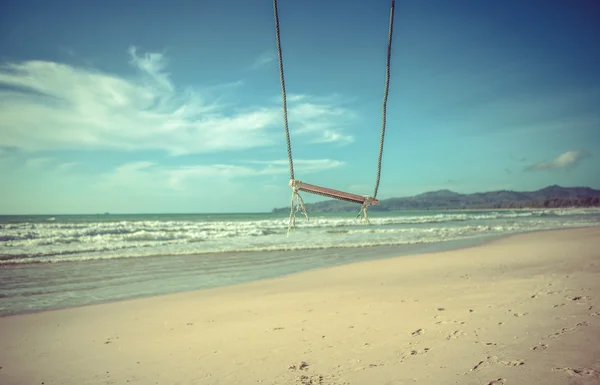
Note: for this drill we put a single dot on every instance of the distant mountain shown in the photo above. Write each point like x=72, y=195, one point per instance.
x=551, y=196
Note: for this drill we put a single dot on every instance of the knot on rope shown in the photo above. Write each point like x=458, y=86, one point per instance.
x=297, y=204
x=363, y=210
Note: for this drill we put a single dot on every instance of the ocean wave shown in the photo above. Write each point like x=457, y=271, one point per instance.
x=127, y=227
x=334, y=238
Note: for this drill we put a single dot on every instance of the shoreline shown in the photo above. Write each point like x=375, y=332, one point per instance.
x=422, y=249
x=523, y=309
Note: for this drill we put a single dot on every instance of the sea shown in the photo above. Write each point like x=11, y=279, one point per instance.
x=60, y=261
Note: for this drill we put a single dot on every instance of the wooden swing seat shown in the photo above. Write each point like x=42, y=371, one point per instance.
x=331, y=193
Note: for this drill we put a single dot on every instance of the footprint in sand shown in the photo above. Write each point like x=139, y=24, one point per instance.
x=499, y=381
x=495, y=360
x=110, y=340
x=445, y=321
x=540, y=347
x=474, y=368
x=365, y=367
x=579, y=372
x=455, y=334
x=579, y=298
x=512, y=363
x=413, y=352
x=568, y=330
x=418, y=332
x=517, y=314
x=545, y=292
x=305, y=377
x=300, y=366
x=311, y=380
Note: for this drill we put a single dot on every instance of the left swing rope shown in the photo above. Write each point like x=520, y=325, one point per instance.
x=297, y=203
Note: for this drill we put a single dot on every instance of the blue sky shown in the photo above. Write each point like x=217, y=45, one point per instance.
x=176, y=107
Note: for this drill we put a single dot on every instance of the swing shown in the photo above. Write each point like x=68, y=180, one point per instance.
x=297, y=203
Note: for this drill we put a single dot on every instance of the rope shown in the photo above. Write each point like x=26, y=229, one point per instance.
x=385, y=96
x=296, y=205
x=283, y=94
x=363, y=210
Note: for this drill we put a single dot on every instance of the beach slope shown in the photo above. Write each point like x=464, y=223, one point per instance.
x=521, y=310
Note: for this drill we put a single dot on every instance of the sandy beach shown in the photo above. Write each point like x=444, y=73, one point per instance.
x=521, y=310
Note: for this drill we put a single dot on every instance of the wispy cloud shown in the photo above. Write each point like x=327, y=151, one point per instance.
x=153, y=65
x=228, y=171
x=302, y=165
x=263, y=60
x=141, y=176
x=50, y=106
x=321, y=120
x=145, y=173
x=566, y=160
x=37, y=162
x=66, y=166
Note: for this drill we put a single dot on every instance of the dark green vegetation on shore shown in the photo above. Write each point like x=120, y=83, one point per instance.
x=548, y=197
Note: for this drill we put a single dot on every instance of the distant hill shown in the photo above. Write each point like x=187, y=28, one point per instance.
x=550, y=197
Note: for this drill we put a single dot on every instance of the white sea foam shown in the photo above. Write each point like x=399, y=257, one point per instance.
x=56, y=241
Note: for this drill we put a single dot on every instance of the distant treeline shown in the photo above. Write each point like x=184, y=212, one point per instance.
x=546, y=203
